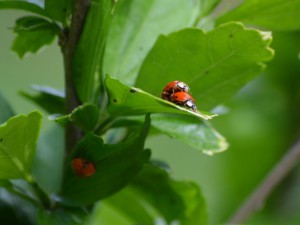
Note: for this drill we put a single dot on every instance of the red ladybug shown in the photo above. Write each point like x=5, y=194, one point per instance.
x=172, y=87
x=184, y=99
x=83, y=168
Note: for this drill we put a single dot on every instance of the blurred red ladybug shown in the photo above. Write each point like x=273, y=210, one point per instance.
x=172, y=87
x=184, y=99
x=83, y=168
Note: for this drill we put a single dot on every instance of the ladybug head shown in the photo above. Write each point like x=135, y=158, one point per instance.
x=190, y=104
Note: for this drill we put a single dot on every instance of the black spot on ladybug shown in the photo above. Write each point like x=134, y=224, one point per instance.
x=114, y=100
x=132, y=90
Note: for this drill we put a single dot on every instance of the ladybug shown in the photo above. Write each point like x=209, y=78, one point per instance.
x=83, y=168
x=172, y=87
x=184, y=99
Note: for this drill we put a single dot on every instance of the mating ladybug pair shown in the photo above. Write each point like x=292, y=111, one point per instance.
x=178, y=93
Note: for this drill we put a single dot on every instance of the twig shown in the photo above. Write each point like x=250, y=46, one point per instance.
x=276, y=175
x=73, y=134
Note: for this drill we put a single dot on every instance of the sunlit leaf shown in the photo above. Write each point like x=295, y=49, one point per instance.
x=125, y=100
x=18, y=137
x=134, y=29
x=190, y=130
x=280, y=15
x=215, y=64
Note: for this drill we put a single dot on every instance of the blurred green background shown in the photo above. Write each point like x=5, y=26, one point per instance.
x=262, y=123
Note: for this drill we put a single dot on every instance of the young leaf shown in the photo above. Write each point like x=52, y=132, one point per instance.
x=58, y=9
x=89, y=52
x=5, y=110
x=32, y=34
x=215, y=64
x=18, y=137
x=125, y=100
x=85, y=116
x=277, y=15
x=115, y=165
x=23, y=5
x=193, y=131
x=134, y=29
x=156, y=196
x=50, y=99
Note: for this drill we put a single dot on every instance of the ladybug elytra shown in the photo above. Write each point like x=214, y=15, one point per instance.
x=172, y=87
x=83, y=168
x=184, y=99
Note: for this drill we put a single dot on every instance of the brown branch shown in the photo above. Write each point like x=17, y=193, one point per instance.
x=277, y=174
x=73, y=134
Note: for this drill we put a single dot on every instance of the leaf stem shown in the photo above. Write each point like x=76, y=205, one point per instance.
x=72, y=36
x=260, y=194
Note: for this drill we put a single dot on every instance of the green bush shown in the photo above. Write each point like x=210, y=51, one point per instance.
x=118, y=56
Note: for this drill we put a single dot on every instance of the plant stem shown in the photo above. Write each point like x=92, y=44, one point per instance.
x=73, y=134
x=276, y=175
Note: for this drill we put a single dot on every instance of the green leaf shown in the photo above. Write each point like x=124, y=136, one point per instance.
x=85, y=116
x=154, y=195
x=116, y=165
x=5, y=184
x=50, y=99
x=215, y=64
x=125, y=100
x=104, y=214
x=23, y=5
x=61, y=216
x=32, y=34
x=5, y=110
x=134, y=29
x=277, y=15
x=89, y=52
x=193, y=131
x=17, y=147
x=49, y=157
x=58, y=9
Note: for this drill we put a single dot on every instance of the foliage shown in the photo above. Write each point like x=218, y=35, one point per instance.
x=127, y=52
